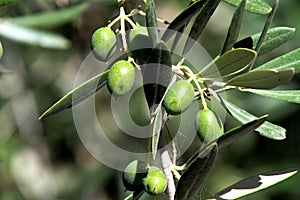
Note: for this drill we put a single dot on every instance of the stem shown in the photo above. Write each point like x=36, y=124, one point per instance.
x=123, y=33
x=132, y=24
x=113, y=22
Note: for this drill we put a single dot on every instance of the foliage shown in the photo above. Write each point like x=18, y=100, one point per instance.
x=235, y=69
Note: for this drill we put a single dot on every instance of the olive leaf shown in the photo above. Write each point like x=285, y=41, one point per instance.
x=5, y=2
x=32, y=36
x=230, y=63
x=50, y=19
x=292, y=96
x=157, y=125
x=236, y=133
x=262, y=79
x=200, y=22
x=183, y=18
x=254, y=184
x=274, y=38
x=253, y=6
x=234, y=27
x=267, y=129
x=77, y=95
x=157, y=73
x=193, y=178
x=244, y=43
x=266, y=27
x=286, y=61
x=151, y=21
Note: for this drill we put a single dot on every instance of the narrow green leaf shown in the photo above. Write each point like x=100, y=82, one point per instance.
x=236, y=133
x=234, y=27
x=230, y=63
x=183, y=18
x=254, y=184
x=286, y=61
x=267, y=129
x=33, y=37
x=253, y=6
x=157, y=73
x=5, y=2
x=200, y=22
x=157, y=125
x=50, y=19
x=77, y=95
x=292, y=96
x=151, y=21
x=274, y=38
x=267, y=26
x=263, y=79
x=193, y=178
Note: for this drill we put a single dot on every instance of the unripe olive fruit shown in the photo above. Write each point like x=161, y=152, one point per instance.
x=133, y=175
x=104, y=43
x=120, y=78
x=209, y=126
x=139, y=43
x=155, y=182
x=179, y=97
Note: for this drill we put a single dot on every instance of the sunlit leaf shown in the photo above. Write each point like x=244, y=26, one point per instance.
x=200, y=22
x=50, y=19
x=267, y=129
x=157, y=125
x=232, y=62
x=33, y=37
x=274, y=38
x=286, y=61
x=262, y=79
x=236, y=133
x=253, y=6
x=193, y=178
x=183, y=18
x=77, y=95
x=254, y=184
x=292, y=96
x=234, y=27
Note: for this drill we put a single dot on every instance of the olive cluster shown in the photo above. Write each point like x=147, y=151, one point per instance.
x=137, y=176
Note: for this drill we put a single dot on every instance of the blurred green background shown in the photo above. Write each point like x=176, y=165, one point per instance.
x=46, y=159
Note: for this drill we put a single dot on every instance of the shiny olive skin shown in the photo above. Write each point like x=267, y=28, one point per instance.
x=209, y=126
x=133, y=175
x=104, y=43
x=179, y=97
x=155, y=182
x=121, y=78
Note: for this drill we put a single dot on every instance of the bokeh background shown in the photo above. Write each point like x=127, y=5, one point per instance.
x=46, y=159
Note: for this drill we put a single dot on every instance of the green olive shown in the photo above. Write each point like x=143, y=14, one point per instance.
x=209, y=126
x=139, y=43
x=133, y=175
x=155, y=182
x=121, y=78
x=1, y=50
x=104, y=43
x=179, y=97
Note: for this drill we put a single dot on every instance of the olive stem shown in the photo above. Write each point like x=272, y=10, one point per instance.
x=142, y=13
x=132, y=24
x=131, y=60
x=123, y=33
x=193, y=77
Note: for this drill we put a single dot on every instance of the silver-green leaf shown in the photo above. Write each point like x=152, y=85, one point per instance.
x=286, y=61
x=292, y=96
x=253, y=6
x=274, y=38
x=77, y=95
x=262, y=79
x=254, y=184
x=267, y=129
